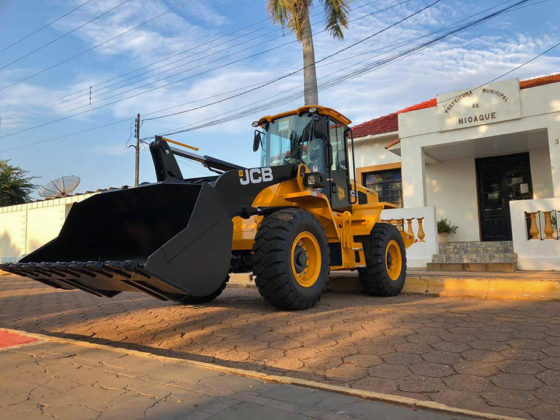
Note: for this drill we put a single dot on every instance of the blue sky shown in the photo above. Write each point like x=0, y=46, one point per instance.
x=233, y=30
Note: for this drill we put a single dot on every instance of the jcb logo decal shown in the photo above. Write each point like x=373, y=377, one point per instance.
x=255, y=175
x=340, y=193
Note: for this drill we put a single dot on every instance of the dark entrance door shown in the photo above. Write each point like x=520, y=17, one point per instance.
x=499, y=180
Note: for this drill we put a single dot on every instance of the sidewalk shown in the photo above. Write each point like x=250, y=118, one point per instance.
x=520, y=285
x=492, y=356
x=71, y=380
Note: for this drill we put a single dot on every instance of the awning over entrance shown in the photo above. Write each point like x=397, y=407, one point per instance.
x=483, y=146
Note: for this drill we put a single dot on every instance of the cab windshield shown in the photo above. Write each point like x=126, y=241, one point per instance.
x=288, y=141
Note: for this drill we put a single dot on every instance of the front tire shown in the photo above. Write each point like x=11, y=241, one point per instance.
x=291, y=260
x=385, y=271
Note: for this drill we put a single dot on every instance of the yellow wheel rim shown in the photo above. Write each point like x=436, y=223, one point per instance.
x=393, y=260
x=305, y=259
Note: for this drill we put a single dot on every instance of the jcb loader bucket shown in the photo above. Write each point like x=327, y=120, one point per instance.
x=169, y=240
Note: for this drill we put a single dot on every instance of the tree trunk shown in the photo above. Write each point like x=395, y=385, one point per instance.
x=309, y=74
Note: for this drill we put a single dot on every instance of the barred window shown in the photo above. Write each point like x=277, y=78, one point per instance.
x=386, y=184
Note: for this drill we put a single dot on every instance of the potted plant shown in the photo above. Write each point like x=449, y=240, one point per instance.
x=444, y=228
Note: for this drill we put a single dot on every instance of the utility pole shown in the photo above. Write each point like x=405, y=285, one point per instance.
x=90, y=95
x=137, y=147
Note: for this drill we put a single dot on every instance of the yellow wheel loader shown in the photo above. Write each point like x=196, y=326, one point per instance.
x=289, y=221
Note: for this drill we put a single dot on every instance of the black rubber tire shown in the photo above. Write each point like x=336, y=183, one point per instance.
x=196, y=300
x=272, y=259
x=374, y=277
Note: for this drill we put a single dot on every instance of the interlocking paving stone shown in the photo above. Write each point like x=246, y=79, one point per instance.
x=516, y=381
x=457, y=351
x=550, y=377
x=140, y=389
x=512, y=399
x=467, y=383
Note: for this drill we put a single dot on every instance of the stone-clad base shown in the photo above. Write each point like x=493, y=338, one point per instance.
x=475, y=256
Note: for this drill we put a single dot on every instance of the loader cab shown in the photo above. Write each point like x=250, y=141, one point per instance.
x=316, y=137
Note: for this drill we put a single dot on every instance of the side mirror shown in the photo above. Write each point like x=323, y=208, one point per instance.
x=257, y=140
x=320, y=127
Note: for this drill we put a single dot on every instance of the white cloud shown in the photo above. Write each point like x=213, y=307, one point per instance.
x=468, y=59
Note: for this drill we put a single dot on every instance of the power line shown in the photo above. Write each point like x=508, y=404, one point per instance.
x=226, y=48
x=316, y=62
x=252, y=25
x=44, y=26
x=332, y=62
x=510, y=71
x=63, y=35
x=216, y=68
x=91, y=48
x=98, y=85
x=365, y=69
x=325, y=85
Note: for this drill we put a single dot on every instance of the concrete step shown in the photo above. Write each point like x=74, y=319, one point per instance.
x=498, y=247
x=496, y=267
x=474, y=257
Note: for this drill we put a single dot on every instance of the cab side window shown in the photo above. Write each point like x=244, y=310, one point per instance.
x=338, y=143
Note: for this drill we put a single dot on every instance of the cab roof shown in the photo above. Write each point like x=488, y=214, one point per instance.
x=335, y=115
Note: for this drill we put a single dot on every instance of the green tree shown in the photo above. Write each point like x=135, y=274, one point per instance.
x=15, y=185
x=295, y=15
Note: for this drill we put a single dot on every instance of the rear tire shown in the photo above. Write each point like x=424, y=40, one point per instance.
x=385, y=271
x=195, y=300
x=291, y=259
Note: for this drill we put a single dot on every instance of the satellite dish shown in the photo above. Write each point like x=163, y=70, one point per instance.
x=60, y=187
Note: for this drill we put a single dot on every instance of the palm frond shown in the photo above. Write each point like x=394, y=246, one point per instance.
x=337, y=16
x=290, y=13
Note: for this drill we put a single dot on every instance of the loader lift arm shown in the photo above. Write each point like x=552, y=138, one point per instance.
x=166, y=165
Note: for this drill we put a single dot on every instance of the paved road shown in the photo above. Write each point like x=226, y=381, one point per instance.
x=67, y=381
x=491, y=356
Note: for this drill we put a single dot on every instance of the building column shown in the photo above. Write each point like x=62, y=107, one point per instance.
x=554, y=150
x=413, y=175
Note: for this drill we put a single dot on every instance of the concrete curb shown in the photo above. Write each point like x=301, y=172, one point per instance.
x=483, y=288
x=371, y=395
x=465, y=285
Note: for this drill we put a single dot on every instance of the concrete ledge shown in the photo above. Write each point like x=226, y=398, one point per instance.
x=533, y=285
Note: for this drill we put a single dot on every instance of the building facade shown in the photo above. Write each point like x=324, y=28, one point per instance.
x=486, y=158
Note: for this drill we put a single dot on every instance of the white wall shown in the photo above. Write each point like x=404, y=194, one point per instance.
x=25, y=227
x=373, y=152
x=451, y=189
x=12, y=235
x=534, y=254
x=43, y=224
x=541, y=173
x=419, y=253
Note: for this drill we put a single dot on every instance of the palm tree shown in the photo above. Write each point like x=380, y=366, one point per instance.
x=295, y=15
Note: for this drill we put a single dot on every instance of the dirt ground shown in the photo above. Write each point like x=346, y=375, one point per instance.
x=492, y=356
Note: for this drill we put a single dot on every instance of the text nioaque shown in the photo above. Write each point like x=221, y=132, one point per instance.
x=477, y=118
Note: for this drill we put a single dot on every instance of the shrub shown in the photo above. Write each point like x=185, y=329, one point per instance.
x=445, y=226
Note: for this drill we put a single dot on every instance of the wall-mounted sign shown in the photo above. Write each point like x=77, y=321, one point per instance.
x=487, y=104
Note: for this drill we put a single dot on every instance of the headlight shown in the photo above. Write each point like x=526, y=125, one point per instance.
x=314, y=180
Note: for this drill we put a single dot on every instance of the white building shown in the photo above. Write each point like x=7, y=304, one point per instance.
x=486, y=158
